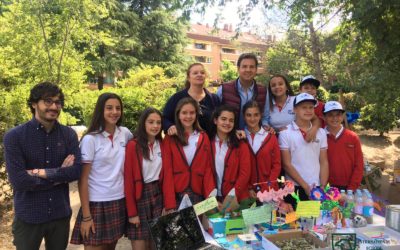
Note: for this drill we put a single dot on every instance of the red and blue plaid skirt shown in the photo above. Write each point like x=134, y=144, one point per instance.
x=149, y=207
x=109, y=218
x=194, y=198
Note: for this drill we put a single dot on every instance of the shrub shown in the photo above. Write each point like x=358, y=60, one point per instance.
x=228, y=72
x=379, y=117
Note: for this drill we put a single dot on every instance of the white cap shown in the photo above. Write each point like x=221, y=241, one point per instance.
x=304, y=97
x=331, y=106
x=310, y=79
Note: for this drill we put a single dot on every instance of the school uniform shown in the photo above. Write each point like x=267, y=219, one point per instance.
x=279, y=117
x=190, y=166
x=231, y=168
x=346, y=164
x=304, y=155
x=148, y=188
x=106, y=154
x=265, y=159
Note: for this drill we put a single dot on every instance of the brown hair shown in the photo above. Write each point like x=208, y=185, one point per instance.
x=187, y=83
x=141, y=134
x=180, y=136
x=289, y=90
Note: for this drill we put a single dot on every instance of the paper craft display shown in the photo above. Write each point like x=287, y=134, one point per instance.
x=230, y=202
x=206, y=205
x=334, y=208
x=257, y=215
x=290, y=217
x=217, y=227
x=308, y=209
x=276, y=195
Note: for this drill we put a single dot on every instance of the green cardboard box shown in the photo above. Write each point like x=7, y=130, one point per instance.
x=235, y=226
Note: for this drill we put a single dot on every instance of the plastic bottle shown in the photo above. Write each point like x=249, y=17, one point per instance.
x=350, y=196
x=358, y=209
x=343, y=198
x=350, y=202
x=368, y=208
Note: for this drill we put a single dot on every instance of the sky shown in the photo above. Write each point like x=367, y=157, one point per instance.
x=262, y=22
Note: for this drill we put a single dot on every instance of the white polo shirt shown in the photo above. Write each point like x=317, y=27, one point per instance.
x=258, y=139
x=280, y=116
x=304, y=155
x=190, y=149
x=221, y=148
x=151, y=168
x=106, y=177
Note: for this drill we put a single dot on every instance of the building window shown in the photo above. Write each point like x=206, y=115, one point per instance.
x=228, y=51
x=202, y=46
x=202, y=59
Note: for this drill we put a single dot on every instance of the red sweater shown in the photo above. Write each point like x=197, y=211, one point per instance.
x=345, y=158
x=319, y=113
x=133, y=179
x=266, y=164
x=237, y=170
x=198, y=176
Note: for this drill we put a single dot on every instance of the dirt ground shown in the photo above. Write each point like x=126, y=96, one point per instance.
x=383, y=150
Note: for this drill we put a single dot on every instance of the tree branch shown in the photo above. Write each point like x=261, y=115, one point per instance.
x=46, y=46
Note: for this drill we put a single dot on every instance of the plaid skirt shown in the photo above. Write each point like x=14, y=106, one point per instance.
x=109, y=218
x=149, y=207
x=194, y=198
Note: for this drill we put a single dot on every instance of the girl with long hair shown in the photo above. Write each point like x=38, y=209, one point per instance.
x=101, y=221
x=230, y=157
x=148, y=188
x=264, y=150
x=188, y=153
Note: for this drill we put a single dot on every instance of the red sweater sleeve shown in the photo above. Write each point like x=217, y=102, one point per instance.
x=209, y=179
x=241, y=185
x=129, y=179
x=276, y=161
x=168, y=179
x=358, y=170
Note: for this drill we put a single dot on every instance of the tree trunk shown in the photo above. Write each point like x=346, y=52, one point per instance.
x=315, y=49
x=100, y=81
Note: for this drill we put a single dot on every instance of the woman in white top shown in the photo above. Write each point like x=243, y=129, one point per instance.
x=101, y=221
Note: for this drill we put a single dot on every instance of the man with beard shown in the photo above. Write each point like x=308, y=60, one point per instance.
x=42, y=156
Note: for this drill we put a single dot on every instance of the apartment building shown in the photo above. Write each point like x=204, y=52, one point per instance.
x=211, y=46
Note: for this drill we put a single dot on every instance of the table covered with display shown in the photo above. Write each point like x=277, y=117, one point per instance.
x=332, y=219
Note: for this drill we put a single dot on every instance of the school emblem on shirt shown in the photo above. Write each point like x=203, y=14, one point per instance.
x=122, y=143
x=159, y=154
x=290, y=112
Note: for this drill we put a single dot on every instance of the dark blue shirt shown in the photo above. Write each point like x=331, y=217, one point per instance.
x=29, y=146
x=207, y=106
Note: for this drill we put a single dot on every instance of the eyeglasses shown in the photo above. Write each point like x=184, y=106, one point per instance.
x=49, y=102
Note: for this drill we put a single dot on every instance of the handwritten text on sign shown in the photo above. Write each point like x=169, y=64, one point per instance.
x=204, y=206
x=308, y=209
x=257, y=215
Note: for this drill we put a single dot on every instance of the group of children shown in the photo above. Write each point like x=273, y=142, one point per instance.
x=141, y=176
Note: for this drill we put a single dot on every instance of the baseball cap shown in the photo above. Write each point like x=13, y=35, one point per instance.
x=304, y=97
x=310, y=79
x=331, y=106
